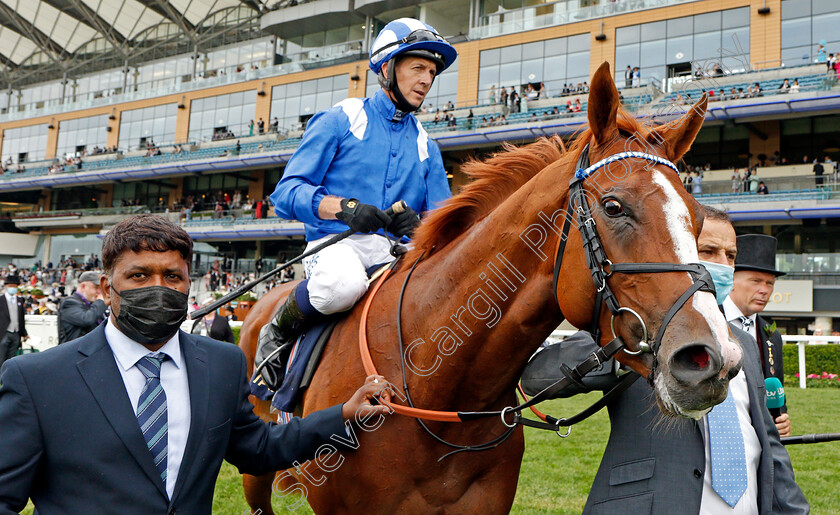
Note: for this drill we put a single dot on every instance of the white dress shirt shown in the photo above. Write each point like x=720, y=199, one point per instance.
x=733, y=314
x=711, y=503
x=173, y=379
x=11, y=302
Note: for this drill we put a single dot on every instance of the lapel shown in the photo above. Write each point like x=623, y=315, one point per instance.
x=767, y=348
x=99, y=370
x=198, y=376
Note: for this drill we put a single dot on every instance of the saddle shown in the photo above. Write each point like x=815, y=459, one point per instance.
x=283, y=371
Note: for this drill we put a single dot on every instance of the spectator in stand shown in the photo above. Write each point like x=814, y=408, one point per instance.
x=628, y=77
x=577, y=107
x=503, y=96
x=264, y=208
x=762, y=188
x=785, y=87
x=213, y=325
x=81, y=312
x=697, y=184
x=275, y=125
x=492, y=95
x=736, y=181
x=795, y=87
x=637, y=77
x=470, y=120
x=261, y=126
x=820, y=53
x=251, y=128
x=819, y=170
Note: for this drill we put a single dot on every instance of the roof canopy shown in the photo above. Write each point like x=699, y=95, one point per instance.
x=48, y=39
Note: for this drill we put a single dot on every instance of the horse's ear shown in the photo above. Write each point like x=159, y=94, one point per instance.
x=677, y=136
x=603, y=104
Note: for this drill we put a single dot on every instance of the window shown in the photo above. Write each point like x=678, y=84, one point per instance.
x=223, y=116
x=293, y=104
x=806, y=23
x=686, y=43
x=138, y=126
x=25, y=144
x=554, y=62
x=84, y=133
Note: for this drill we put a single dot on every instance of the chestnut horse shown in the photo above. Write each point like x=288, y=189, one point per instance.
x=480, y=302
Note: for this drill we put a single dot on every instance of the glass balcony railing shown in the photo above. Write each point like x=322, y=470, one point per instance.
x=809, y=263
x=559, y=13
x=307, y=60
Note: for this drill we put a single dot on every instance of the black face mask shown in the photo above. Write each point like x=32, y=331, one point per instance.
x=152, y=314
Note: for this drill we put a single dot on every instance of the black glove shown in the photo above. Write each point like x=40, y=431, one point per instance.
x=362, y=218
x=403, y=224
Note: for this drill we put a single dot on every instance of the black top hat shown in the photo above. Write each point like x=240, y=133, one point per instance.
x=12, y=279
x=757, y=252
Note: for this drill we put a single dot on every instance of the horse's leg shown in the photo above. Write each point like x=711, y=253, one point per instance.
x=258, y=492
x=258, y=489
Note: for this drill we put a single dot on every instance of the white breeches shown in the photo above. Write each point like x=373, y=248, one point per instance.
x=337, y=275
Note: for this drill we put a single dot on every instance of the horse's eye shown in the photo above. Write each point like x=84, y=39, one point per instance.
x=613, y=207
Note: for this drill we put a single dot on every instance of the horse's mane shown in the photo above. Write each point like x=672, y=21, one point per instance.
x=497, y=178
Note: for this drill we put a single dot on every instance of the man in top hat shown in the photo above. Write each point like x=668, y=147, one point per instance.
x=81, y=312
x=755, y=276
x=12, y=313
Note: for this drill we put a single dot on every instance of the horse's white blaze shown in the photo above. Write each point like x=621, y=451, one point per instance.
x=678, y=221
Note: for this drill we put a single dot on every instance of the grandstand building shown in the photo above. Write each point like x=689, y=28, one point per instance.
x=191, y=108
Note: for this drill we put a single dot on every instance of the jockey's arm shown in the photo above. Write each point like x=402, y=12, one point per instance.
x=328, y=207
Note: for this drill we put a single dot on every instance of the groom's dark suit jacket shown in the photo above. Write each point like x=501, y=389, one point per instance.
x=69, y=437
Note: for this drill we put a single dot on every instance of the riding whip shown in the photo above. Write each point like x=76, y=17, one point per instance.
x=397, y=207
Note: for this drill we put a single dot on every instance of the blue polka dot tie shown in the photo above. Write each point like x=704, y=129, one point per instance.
x=726, y=443
x=151, y=411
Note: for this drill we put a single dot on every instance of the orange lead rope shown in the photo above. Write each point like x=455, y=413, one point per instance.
x=370, y=369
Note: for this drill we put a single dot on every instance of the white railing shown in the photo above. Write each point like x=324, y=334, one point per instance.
x=801, y=341
x=43, y=331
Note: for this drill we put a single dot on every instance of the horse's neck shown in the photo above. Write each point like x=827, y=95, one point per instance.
x=485, y=304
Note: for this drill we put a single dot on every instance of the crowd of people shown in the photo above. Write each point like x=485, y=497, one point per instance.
x=747, y=180
x=223, y=204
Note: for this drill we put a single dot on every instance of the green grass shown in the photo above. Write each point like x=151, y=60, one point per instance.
x=557, y=473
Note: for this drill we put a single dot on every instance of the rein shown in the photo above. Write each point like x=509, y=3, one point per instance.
x=601, y=269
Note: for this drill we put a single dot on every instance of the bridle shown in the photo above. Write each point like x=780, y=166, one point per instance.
x=601, y=269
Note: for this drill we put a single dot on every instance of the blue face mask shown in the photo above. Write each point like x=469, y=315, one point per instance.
x=723, y=276
x=12, y=290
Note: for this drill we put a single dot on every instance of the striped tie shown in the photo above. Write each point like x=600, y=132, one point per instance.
x=151, y=411
x=746, y=323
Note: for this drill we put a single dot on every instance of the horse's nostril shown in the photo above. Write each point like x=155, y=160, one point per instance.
x=694, y=364
x=699, y=356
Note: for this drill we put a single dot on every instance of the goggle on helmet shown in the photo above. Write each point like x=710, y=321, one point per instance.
x=407, y=36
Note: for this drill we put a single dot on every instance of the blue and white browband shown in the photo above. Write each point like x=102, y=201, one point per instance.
x=583, y=173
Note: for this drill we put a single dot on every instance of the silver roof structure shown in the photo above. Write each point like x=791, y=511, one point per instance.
x=44, y=40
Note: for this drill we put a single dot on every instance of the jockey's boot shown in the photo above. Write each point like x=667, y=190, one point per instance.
x=276, y=341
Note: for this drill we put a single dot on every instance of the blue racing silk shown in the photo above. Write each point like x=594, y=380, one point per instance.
x=355, y=150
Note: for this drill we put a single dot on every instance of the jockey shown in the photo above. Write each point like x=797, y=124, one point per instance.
x=356, y=160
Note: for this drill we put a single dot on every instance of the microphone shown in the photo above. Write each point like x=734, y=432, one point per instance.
x=775, y=396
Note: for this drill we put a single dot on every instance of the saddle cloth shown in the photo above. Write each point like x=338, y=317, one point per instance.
x=302, y=362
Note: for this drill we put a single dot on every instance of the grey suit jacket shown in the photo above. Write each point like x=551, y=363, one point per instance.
x=656, y=465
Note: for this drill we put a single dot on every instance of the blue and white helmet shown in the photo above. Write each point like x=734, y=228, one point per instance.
x=411, y=37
